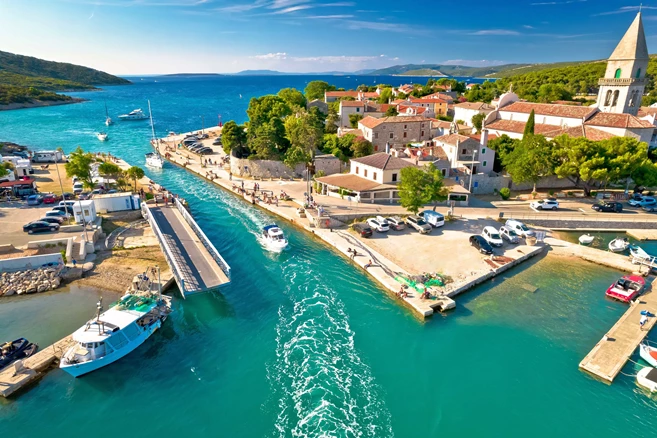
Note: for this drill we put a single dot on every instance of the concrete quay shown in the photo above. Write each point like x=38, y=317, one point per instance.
x=648, y=234
x=593, y=255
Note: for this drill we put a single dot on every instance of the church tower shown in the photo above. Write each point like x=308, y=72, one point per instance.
x=625, y=79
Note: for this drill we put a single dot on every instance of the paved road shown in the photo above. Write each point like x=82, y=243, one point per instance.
x=14, y=215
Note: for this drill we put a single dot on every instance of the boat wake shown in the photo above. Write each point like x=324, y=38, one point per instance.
x=321, y=386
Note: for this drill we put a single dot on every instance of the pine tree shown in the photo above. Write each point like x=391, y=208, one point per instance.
x=529, y=127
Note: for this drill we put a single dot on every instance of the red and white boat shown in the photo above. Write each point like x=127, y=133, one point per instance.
x=648, y=353
x=627, y=288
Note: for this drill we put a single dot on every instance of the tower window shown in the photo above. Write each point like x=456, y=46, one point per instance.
x=615, y=98
x=608, y=98
x=638, y=73
x=618, y=73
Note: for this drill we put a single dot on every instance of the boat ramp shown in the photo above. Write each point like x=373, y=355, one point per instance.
x=612, y=352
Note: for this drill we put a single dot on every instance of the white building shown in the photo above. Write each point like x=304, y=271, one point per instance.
x=86, y=209
x=468, y=152
x=466, y=110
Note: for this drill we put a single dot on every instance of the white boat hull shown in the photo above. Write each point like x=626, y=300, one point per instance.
x=102, y=137
x=155, y=161
x=644, y=382
x=586, y=239
x=644, y=352
x=80, y=369
x=274, y=246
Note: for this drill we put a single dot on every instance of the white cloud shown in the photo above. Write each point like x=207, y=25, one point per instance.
x=527, y=26
x=278, y=55
x=624, y=9
x=281, y=4
x=495, y=32
x=556, y=3
x=385, y=27
x=292, y=9
x=327, y=17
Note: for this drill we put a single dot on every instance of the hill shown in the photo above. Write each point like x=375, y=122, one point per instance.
x=449, y=70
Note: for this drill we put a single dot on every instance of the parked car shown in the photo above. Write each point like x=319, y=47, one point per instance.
x=68, y=196
x=492, y=236
x=34, y=200
x=97, y=192
x=545, y=204
x=64, y=208
x=84, y=196
x=418, y=224
x=396, y=223
x=51, y=198
x=21, y=154
x=217, y=142
x=67, y=203
x=608, y=206
x=52, y=220
x=650, y=208
x=509, y=235
x=433, y=218
x=480, y=243
x=57, y=213
x=636, y=199
x=520, y=228
x=39, y=226
x=363, y=229
x=112, y=191
x=648, y=201
x=204, y=151
x=379, y=226
x=78, y=188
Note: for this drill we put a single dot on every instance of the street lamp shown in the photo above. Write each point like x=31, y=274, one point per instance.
x=474, y=154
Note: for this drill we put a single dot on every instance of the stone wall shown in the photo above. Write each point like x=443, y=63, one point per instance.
x=23, y=263
x=277, y=169
x=487, y=185
x=30, y=281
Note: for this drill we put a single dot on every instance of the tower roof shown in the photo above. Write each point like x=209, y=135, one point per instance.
x=633, y=45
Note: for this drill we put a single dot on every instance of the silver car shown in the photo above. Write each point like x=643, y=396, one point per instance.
x=396, y=223
x=419, y=224
x=509, y=235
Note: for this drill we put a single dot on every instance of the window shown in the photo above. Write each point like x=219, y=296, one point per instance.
x=365, y=173
x=356, y=170
x=391, y=135
x=483, y=151
x=421, y=133
x=421, y=125
x=376, y=135
x=443, y=171
x=484, y=163
x=618, y=73
x=464, y=151
x=615, y=101
x=608, y=98
x=405, y=126
x=357, y=110
x=394, y=177
x=374, y=175
x=404, y=134
x=638, y=73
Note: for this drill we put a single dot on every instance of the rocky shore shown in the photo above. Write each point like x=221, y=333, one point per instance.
x=30, y=281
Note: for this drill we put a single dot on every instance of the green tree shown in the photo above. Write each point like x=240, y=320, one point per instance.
x=529, y=126
x=266, y=130
x=530, y=160
x=385, y=96
x=135, y=174
x=109, y=170
x=478, y=121
x=5, y=168
x=296, y=155
x=361, y=147
x=412, y=189
x=502, y=146
x=435, y=189
x=79, y=164
x=315, y=90
x=353, y=120
x=305, y=132
x=233, y=138
x=391, y=112
x=293, y=97
x=332, y=121
x=580, y=160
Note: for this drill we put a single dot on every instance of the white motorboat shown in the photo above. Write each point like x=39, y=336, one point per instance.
x=648, y=353
x=640, y=255
x=137, y=114
x=102, y=136
x=586, y=239
x=113, y=334
x=108, y=120
x=274, y=238
x=154, y=159
x=647, y=378
x=619, y=244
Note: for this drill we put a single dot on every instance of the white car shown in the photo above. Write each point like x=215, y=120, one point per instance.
x=509, y=235
x=545, y=204
x=396, y=223
x=418, y=224
x=492, y=236
x=520, y=228
x=375, y=224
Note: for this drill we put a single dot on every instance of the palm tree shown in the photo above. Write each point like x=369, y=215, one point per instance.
x=135, y=173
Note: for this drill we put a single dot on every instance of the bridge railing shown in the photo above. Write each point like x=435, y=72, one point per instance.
x=166, y=249
x=201, y=235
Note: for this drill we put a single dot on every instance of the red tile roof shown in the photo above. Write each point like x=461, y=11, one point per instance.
x=549, y=109
x=371, y=122
x=350, y=93
x=383, y=161
x=618, y=121
x=428, y=101
x=581, y=131
x=475, y=106
x=409, y=109
x=452, y=139
x=519, y=127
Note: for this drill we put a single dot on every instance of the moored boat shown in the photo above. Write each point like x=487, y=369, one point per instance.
x=108, y=120
x=19, y=349
x=639, y=253
x=101, y=136
x=619, y=244
x=626, y=288
x=648, y=353
x=154, y=160
x=647, y=378
x=137, y=114
x=274, y=238
x=586, y=239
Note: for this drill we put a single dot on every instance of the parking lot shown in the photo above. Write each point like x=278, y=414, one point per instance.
x=16, y=214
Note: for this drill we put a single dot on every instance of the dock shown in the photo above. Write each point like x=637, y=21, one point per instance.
x=195, y=263
x=612, y=352
x=642, y=234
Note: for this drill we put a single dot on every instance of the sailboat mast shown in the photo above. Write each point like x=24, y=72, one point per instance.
x=106, y=112
x=150, y=114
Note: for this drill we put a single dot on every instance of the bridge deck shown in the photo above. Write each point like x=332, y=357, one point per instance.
x=197, y=266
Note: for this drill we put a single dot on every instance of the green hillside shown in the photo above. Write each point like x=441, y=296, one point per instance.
x=450, y=70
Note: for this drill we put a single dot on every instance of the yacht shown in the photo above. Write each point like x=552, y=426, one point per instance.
x=102, y=136
x=153, y=159
x=108, y=120
x=137, y=114
x=113, y=334
x=274, y=238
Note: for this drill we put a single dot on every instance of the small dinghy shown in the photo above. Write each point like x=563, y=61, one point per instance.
x=101, y=136
x=18, y=349
x=647, y=378
x=648, y=353
x=638, y=253
x=586, y=239
x=626, y=288
x=619, y=244
x=274, y=238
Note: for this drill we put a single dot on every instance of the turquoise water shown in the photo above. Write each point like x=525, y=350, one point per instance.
x=302, y=343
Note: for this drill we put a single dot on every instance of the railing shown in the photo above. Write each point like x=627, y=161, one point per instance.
x=175, y=269
x=201, y=235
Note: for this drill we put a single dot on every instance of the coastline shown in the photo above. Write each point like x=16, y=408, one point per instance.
x=40, y=103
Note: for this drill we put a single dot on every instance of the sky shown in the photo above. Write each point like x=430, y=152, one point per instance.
x=138, y=37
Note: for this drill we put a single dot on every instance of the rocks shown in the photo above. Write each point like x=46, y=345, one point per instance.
x=30, y=281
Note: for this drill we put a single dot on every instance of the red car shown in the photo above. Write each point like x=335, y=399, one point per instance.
x=51, y=199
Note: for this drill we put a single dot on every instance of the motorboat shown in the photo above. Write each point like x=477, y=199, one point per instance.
x=648, y=353
x=274, y=238
x=641, y=255
x=586, y=239
x=647, y=378
x=19, y=349
x=626, y=288
x=154, y=159
x=102, y=136
x=137, y=114
x=619, y=244
x=113, y=334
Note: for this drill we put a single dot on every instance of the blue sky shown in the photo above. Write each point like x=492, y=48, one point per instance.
x=169, y=36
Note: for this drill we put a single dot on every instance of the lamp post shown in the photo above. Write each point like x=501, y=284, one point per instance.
x=202, y=124
x=474, y=154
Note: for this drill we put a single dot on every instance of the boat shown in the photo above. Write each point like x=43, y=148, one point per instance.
x=647, y=378
x=108, y=120
x=619, y=244
x=153, y=159
x=274, y=238
x=19, y=349
x=586, y=239
x=626, y=288
x=639, y=253
x=648, y=353
x=113, y=334
x=137, y=114
x=102, y=136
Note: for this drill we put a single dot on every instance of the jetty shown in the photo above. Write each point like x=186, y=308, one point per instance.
x=612, y=352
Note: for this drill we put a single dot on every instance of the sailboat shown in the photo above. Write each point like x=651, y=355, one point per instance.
x=153, y=159
x=108, y=120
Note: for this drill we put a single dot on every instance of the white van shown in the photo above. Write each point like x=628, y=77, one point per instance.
x=78, y=187
x=520, y=228
x=67, y=203
x=433, y=218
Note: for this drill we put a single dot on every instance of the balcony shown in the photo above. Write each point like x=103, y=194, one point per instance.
x=622, y=81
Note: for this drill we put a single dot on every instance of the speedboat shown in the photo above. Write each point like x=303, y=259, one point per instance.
x=647, y=378
x=113, y=334
x=648, y=353
x=638, y=253
x=137, y=114
x=586, y=239
x=18, y=349
x=626, y=288
x=153, y=159
x=274, y=238
x=619, y=244
x=101, y=136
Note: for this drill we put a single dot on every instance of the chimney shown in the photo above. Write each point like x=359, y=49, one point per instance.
x=388, y=148
x=484, y=137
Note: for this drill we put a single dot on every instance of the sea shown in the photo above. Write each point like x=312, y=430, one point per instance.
x=302, y=343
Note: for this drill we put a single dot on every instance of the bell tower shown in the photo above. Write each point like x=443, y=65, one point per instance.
x=625, y=79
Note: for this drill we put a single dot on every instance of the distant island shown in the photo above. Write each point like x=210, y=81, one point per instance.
x=27, y=82
x=191, y=74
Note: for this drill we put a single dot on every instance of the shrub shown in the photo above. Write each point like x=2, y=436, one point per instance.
x=149, y=196
x=63, y=253
x=594, y=194
x=551, y=192
x=505, y=193
x=570, y=194
x=534, y=195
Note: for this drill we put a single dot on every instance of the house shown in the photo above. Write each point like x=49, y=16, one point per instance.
x=24, y=186
x=399, y=130
x=446, y=97
x=348, y=107
x=468, y=151
x=22, y=166
x=436, y=107
x=321, y=105
x=332, y=96
x=466, y=110
x=406, y=89
x=411, y=110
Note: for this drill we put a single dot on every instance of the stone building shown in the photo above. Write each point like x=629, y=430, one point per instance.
x=395, y=131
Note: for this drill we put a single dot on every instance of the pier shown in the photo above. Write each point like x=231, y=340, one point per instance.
x=612, y=352
x=196, y=264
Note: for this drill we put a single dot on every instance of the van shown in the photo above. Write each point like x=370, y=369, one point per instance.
x=433, y=218
x=67, y=203
x=78, y=187
x=520, y=228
